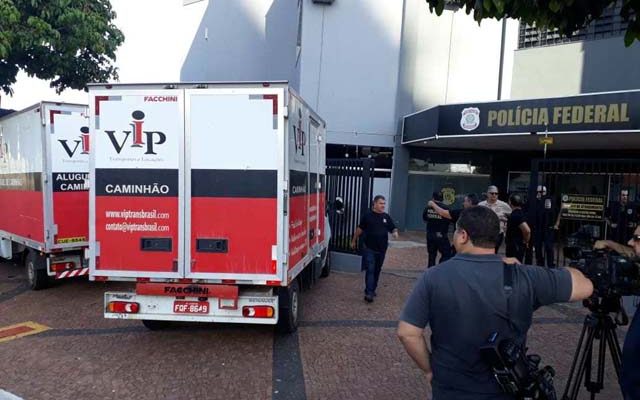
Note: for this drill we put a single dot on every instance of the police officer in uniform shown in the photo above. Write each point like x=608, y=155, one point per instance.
x=622, y=218
x=546, y=221
x=437, y=232
x=518, y=233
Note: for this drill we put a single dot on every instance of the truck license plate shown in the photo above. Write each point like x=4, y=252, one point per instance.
x=191, y=307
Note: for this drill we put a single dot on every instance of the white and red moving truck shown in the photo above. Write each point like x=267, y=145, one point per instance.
x=210, y=196
x=44, y=199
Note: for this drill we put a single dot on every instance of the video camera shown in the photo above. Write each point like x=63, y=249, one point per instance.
x=612, y=275
x=518, y=374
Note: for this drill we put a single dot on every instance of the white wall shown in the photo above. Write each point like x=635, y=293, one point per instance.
x=547, y=71
x=244, y=40
x=158, y=34
x=281, y=35
x=590, y=66
x=349, y=68
x=229, y=44
x=454, y=59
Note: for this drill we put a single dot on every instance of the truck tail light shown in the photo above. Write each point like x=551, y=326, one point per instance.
x=123, y=307
x=59, y=267
x=257, y=312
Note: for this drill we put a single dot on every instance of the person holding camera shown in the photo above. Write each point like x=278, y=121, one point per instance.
x=630, y=372
x=465, y=299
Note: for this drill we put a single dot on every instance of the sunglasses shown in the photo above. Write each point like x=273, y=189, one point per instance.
x=493, y=192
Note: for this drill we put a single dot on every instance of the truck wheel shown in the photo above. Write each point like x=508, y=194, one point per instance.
x=326, y=269
x=37, y=271
x=154, y=325
x=289, y=304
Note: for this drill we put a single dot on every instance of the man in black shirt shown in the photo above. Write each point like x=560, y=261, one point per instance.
x=376, y=226
x=545, y=221
x=437, y=231
x=464, y=301
x=518, y=231
x=622, y=218
x=470, y=200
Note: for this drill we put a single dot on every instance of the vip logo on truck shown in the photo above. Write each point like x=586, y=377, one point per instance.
x=140, y=137
x=83, y=142
x=299, y=135
x=4, y=149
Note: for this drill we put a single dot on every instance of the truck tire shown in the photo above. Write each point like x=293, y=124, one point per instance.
x=289, y=308
x=154, y=325
x=326, y=268
x=37, y=271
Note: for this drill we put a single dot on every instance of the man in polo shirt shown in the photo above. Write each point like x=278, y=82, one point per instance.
x=464, y=301
x=501, y=209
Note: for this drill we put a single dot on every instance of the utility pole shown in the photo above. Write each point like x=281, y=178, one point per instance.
x=501, y=66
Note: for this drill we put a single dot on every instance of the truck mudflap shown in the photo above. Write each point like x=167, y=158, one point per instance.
x=249, y=306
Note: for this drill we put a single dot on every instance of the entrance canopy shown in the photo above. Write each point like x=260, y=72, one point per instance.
x=591, y=121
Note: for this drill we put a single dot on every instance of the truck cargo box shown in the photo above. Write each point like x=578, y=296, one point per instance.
x=205, y=183
x=44, y=200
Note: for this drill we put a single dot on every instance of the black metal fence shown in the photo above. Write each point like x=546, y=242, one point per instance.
x=352, y=182
x=600, y=177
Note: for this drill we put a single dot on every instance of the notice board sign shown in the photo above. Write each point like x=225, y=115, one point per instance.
x=583, y=207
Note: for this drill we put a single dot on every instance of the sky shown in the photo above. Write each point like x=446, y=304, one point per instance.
x=158, y=34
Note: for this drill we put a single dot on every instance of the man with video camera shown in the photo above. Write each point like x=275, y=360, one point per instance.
x=630, y=372
x=467, y=299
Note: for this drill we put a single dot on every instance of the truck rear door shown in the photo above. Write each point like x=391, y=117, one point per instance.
x=136, y=182
x=234, y=183
x=67, y=133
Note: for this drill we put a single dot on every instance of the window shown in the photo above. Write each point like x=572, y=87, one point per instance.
x=299, y=40
x=608, y=25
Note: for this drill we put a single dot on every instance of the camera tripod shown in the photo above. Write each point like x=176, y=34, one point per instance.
x=600, y=326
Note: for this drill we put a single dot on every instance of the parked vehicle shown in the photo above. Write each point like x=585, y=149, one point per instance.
x=211, y=197
x=44, y=199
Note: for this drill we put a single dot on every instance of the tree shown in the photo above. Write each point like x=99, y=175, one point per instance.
x=70, y=42
x=567, y=16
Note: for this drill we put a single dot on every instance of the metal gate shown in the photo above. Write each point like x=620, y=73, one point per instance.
x=599, y=177
x=352, y=182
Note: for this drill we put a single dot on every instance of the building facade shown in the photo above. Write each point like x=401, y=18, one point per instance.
x=361, y=64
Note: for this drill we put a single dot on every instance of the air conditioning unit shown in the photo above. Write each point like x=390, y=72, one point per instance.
x=327, y=2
